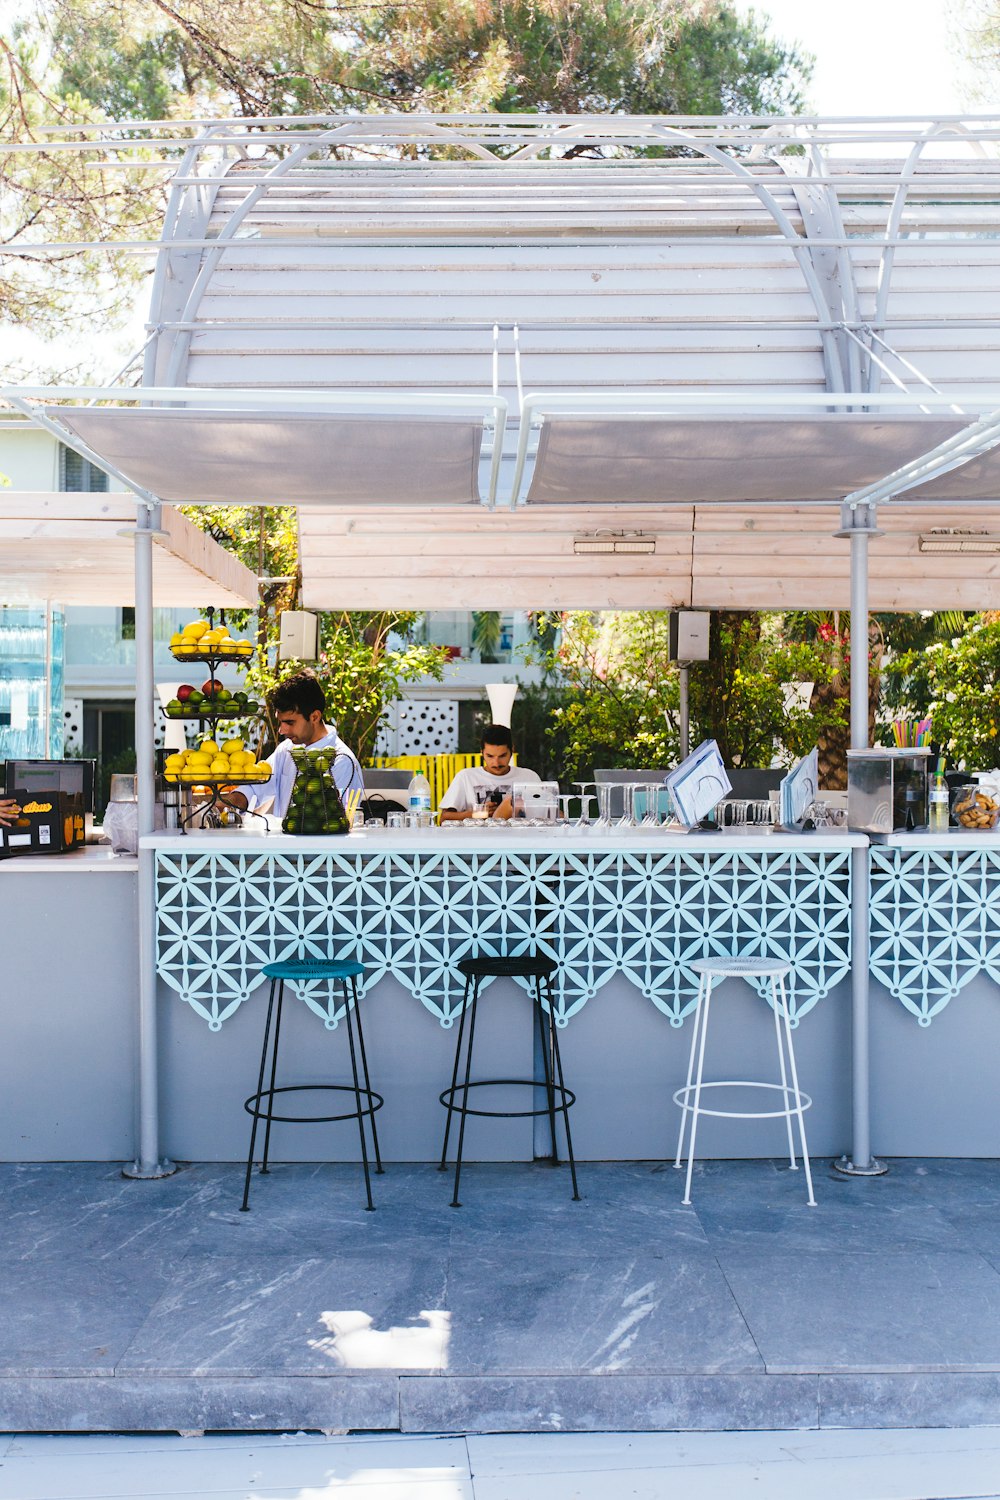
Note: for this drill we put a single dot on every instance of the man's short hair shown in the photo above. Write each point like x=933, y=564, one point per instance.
x=496, y=734
x=299, y=694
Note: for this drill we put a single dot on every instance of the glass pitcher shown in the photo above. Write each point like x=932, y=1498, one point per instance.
x=315, y=805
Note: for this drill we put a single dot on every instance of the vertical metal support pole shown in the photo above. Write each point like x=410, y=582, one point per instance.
x=859, y=525
x=148, y=1163
x=685, y=718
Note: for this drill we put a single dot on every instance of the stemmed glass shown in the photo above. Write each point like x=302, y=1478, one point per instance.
x=627, y=819
x=566, y=798
x=585, y=800
x=604, y=790
x=651, y=816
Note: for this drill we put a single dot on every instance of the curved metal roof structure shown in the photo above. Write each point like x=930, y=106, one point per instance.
x=400, y=321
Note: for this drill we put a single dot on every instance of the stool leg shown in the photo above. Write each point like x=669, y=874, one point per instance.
x=463, y=1115
x=379, y=1169
x=797, y=1095
x=454, y=1075
x=777, y=1007
x=695, y=1029
x=274, y=1069
x=357, y=1096
x=244, y=1208
x=706, y=1003
x=545, y=1037
x=554, y=1035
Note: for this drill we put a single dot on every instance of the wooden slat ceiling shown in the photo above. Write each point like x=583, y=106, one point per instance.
x=67, y=548
x=707, y=557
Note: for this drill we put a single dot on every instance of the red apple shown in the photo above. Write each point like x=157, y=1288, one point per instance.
x=184, y=692
x=212, y=687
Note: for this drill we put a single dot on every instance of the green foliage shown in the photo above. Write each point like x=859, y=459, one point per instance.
x=360, y=674
x=60, y=197
x=299, y=56
x=619, y=700
x=738, y=696
x=618, y=704
x=487, y=631
x=963, y=686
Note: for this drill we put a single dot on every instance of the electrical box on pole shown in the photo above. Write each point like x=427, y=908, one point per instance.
x=689, y=635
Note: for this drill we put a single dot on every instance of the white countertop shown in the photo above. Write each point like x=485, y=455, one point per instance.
x=90, y=860
x=955, y=838
x=505, y=838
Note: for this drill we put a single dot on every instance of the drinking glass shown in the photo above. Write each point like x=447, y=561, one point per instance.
x=604, y=790
x=585, y=800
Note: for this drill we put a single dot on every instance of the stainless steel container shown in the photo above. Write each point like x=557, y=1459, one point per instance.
x=887, y=789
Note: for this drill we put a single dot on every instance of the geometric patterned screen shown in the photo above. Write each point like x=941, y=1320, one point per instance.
x=643, y=917
x=935, y=923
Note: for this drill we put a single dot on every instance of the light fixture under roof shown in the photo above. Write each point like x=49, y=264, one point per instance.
x=959, y=539
x=615, y=541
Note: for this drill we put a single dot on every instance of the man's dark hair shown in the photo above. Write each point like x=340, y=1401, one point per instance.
x=299, y=694
x=496, y=734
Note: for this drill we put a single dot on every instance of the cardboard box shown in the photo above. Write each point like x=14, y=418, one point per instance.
x=50, y=823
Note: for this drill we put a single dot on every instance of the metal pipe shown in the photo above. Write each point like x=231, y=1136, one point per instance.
x=147, y=1163
x=684, y=716
x=860, y=526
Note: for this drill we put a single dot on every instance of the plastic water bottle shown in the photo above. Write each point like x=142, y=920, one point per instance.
x=418, y=795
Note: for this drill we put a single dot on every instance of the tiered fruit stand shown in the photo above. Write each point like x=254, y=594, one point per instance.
x=209, y=710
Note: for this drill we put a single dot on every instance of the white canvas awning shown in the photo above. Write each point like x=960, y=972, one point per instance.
x=71, y=548
x=645, y=458
x=275, y=457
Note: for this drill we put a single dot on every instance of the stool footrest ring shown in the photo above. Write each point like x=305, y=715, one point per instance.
x=253, y=1104
x=794, y=1101
x=563, y=1098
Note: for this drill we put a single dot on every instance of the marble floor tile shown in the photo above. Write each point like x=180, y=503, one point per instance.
x=912, y=1311
x=836, y=1226
x=76, y=1313
x=296, y=1315
x=558, y=1313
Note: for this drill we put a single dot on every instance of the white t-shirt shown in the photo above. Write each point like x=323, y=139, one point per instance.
x=461, y=794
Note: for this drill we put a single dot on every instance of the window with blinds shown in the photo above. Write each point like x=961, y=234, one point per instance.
x=79, y=474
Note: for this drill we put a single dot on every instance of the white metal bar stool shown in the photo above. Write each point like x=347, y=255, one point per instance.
x=794, y=1101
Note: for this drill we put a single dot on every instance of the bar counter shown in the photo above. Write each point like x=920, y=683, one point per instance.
x=624, y=913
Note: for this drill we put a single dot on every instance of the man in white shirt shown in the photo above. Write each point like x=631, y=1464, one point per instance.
x=496, y=772
x=298, y=705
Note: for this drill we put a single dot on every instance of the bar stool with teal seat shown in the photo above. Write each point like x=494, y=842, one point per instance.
x=261, y=1104
x=538, y=968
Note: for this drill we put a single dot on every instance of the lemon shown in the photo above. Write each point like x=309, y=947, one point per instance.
x=219, y=768
x=195, y=630
x=232, y=747
x=176, y=638
x=208, y=747
x=173, y=762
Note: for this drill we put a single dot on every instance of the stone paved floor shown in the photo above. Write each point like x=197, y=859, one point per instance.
x=158, y=1306
x=903, y=1464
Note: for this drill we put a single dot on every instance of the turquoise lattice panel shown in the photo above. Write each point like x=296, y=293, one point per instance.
x=643, y=916
x=649, y=916
x=935, y=923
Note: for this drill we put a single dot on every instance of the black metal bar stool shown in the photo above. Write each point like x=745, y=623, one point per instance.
x=261, y=1104
x=558, y=1097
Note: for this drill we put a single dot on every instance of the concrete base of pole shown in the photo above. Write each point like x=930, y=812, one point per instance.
x=136, y=1170
x=846, y=1167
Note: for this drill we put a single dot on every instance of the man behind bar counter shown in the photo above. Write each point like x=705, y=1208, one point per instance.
x=298, y=705
x=496, y=772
